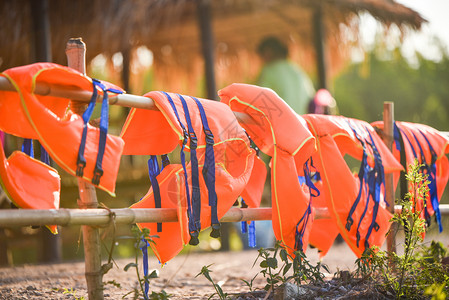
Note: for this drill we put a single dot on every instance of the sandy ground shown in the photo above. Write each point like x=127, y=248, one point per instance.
x=66, y=280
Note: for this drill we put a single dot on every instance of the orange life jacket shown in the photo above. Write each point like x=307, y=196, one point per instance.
x=282, y=134
x=73, y=144
x=428, y=146
x=355, y=202
x=219, y=150
x=29, y=183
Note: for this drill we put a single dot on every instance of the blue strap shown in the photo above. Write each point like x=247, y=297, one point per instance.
x=250, y=230
x=104, y=124
x=153, y=171
x=81, y=160
x=27, y=147
x=376, y=181
x=252, y=234
x=244, y=227
x=209, y=170
x=396, y=136
x=45, y=158
x=193, y=238
x=299, y=233
x=410, y=143
x=196, y=192
x=165, y=161
x=363, y=172
x=432, y=171
x=145, y=267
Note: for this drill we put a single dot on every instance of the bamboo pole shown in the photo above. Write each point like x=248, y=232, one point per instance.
x=127, y=100
x=76, y=59
x=389, y=185
x=102, y=217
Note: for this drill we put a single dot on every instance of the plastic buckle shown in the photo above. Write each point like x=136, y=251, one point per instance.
x=193, y=140
x=215, y=233
x=97, y=175
x=358, y=238
x=186, y=136
x=376, y=227
x=349, y=222
x=165, y=160
x=194, y=238
x=80, y=164
x=209, y=137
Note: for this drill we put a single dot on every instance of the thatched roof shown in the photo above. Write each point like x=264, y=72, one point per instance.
x=170, y=28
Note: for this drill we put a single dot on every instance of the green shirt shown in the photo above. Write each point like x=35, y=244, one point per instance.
x=290, y=82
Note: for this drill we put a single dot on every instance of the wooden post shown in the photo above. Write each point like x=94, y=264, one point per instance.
x=207, y=46
x=389, y=186
x=319, y=34
x=76, y=53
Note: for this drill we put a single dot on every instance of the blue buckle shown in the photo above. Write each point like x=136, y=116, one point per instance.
x=349, y=222
x=193, y=140
x=215, y=233
x=186, y=136
x=194, y=238
x=209, y=137
x=97, y=175
x=80, y=165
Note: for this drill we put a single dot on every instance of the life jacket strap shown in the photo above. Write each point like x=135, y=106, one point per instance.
x=302, y=224
x=209, y=170
x=153, y=171
x=377, y=178
x=81, y=160
x=193, y=237
x=196, y=192
x=144, y=250
x=363, y=172
x=432, y=171
x=27, y=147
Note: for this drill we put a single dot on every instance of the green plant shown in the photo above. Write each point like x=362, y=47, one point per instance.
x=72, y=292
x=142, y=238
x=205, y=271
x=302, y=269
x=419, y=270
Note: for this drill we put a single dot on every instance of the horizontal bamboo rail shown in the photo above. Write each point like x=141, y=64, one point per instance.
x=127, y=100
x=101, y=217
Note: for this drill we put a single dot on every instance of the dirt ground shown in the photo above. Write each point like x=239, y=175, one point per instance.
x=67, y=281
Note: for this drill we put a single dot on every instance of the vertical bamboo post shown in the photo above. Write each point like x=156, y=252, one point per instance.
x=389, y=186
x=76, y=52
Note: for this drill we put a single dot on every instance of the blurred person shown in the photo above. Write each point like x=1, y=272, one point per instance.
x=288, y=80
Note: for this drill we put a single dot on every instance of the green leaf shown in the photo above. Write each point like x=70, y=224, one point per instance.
x=126, y=268
x=264, y=264
x=272, y=262
x=287, y=267
x=153, y=274
x=284, y=255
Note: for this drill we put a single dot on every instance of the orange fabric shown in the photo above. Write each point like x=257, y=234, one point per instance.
x=58, y=129
x=252, y=194
x=440, y=144
x=335, y=138
x=29, y=183
x=233, y=163
x=279, y=132
x=324, y=231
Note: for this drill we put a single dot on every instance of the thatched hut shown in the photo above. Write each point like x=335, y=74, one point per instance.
x=179, y=36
